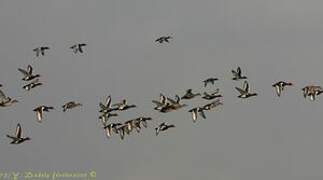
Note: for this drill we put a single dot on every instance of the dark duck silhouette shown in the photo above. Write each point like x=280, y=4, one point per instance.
x=40, y=50
x=78, y=48
x=210, y=81
x=280, y=86
x=163, y=127
x=164, y=39
x=28, y=74
x=189, y=94
x=237, y=74
x=70, y=105
x=212, y=95
x=40, y=111
x=244, y=92
x=32, y=85
x=18, y=137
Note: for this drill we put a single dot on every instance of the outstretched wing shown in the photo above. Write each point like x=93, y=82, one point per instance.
x=201, y=112
x=246, y=86
x=240, y=90
x=24, y=72
x=18, y=131
x=29, y=69
x=108, y=101
x=2, y=95
x=239, y=71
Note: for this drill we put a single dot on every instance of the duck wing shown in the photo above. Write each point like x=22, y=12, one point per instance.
x=2, y=95
x=241, y=91
x=201, y=113
x=18, y=131
x=24, y=72
x=246, y=86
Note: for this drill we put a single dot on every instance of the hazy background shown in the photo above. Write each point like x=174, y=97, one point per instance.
x=261, y=138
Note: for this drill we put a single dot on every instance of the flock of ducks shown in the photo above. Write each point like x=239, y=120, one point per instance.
x=164, y=104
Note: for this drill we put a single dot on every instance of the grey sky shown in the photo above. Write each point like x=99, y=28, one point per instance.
x=260, y=138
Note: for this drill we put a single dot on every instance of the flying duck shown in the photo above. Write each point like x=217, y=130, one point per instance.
x=122, y=130
x=212, y=105
x=209, y=81
x=212, y=95
x=18, y=138
x=163, y=127
x=40, y=50
x=111, y=127
x=237, y=74
x=244, y=93
x=172, y=105
x=106, y=106
x=143, y=120
x=189, y=94
x=161, y=103
x=78, y=48
x=70, y=105
x=312, y=91
x=32, y=85
x=195, y=111
x=28, y=74
x=6, y=101
x=279, y=86
x=163, y=39
x=124, y=105
x=40, y=111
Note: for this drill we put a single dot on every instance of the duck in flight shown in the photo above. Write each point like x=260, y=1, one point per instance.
x=164, y=39
x=237, y=74
x=111, y=127
x=6, y=101
x=163, y=127
x=106, y=106
x=143, y=121
x=161, y=103
x=123, y=105
x=279, y=86
x=28, y=73
x=40, y=50
x=70, y=105
x=212, y=105
x=312, y=91
x=212, y=95
x=172, y=105
x=18, y=137
x=189, y=94
x=210, y=81
x=32, y=85
x=197, y=111
x=122, y=130
x=78, y=48
x=40, y=111
x=244, y=92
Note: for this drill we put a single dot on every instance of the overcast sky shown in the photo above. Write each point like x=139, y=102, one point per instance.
x=261, y=138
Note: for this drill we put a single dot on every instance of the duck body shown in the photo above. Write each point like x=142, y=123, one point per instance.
x=32, y=85
x=244, y=93
x=237, y=74
x=163, y=39
x=40, y=111
x=210, y=81
x=70, y=105
x=189, y=94
x=18, y=137
x=163, y=127
x=280, y=86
